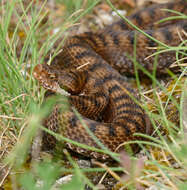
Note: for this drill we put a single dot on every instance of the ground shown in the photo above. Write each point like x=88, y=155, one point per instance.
x=30, y=32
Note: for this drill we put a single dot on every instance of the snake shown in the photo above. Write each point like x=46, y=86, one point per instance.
x=89, y=72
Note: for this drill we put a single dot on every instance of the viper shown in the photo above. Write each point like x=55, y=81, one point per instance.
x=88, y=70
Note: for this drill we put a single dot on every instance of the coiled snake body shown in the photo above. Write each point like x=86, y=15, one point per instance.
x=88, y=69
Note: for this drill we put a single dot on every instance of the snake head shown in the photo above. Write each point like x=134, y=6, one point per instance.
x=45, y=77
x=66, y=82
x=48, y=78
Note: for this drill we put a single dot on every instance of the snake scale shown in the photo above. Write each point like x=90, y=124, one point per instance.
x=89, y=68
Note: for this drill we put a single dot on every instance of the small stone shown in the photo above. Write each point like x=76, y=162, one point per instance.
x=121, y=12
x=84, y=163
x=62, y=180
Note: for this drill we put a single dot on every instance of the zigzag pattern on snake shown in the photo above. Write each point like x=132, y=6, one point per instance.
x=88, y=69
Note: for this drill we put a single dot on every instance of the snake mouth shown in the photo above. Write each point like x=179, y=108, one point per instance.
x=54, y=86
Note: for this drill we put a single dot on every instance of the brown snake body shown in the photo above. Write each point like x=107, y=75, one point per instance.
x=88, y=69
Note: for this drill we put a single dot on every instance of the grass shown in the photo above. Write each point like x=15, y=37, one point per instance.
x=21, y=112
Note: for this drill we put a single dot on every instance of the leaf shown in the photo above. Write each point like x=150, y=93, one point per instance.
x=184, y=109
x=27, y=181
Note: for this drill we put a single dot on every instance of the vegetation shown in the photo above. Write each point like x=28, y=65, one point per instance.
x=27, y=35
